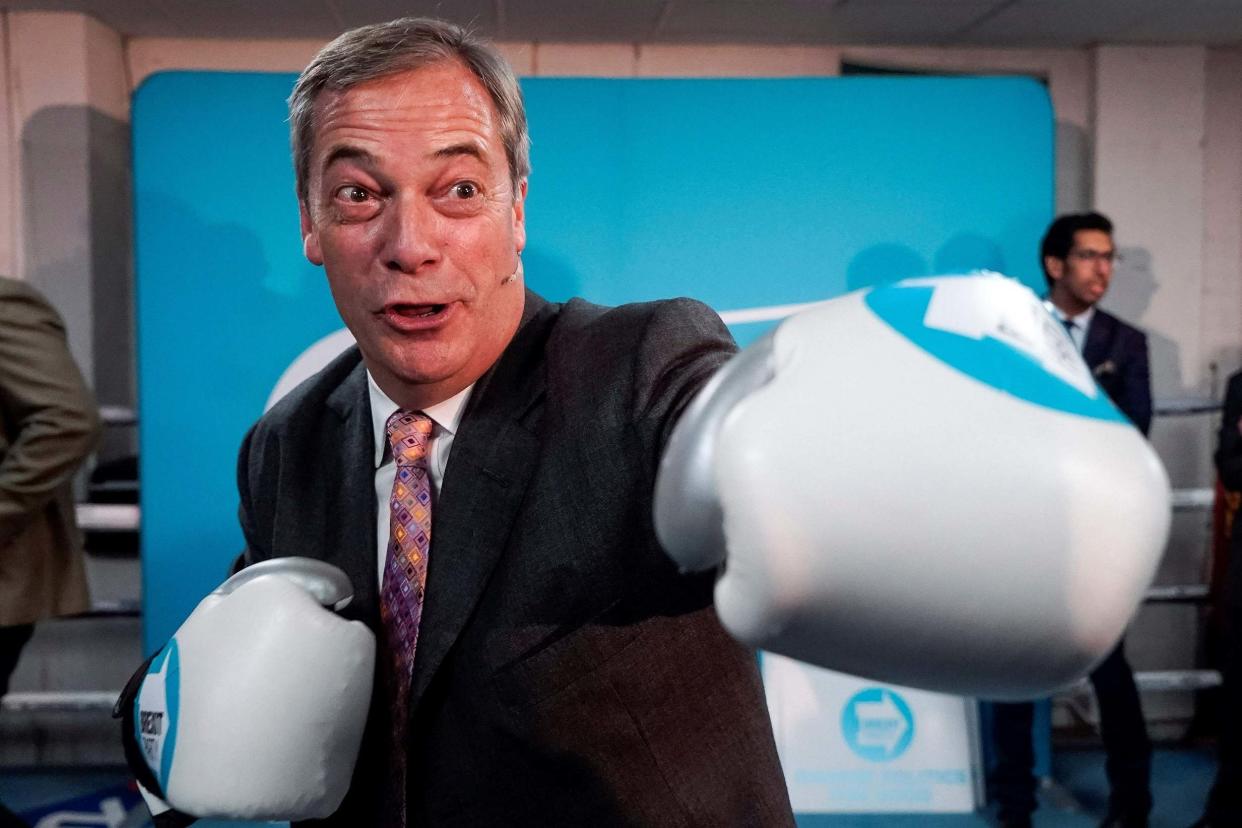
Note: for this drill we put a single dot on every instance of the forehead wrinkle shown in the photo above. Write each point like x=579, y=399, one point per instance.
x=397, y=99
x=403, y=104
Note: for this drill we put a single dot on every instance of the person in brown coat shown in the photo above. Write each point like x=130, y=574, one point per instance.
x=48, y=425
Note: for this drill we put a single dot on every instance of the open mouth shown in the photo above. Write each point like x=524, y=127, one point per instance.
x=410, y=317
x=417, y=311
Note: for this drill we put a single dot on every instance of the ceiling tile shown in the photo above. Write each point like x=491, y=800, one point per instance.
x=1061, y=23
x=908, y=21
x=1213, y=22
x=478, y=15
x=994, y=23
x=580, y=20
x=737, y=21
x=804, y=21
x=216, y=19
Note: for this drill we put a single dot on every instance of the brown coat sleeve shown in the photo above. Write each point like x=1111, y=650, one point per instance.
x=48, y=419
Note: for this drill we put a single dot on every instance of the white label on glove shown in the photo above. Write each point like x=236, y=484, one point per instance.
x=155, y=715
x=961, y=307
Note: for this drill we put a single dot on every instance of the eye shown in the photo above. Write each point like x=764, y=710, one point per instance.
x=352, y=202
x=462, y=199
x=353, y=194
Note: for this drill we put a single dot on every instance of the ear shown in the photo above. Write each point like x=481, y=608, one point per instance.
x=519, y=216
x=310, y=236
x=1054, y=266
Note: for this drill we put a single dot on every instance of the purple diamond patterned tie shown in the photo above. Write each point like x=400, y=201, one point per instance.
x=405, y=578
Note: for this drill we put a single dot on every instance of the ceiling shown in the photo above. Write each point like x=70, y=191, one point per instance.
x=998, y=23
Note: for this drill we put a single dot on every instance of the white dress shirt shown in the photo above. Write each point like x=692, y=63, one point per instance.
x=1078, y=333
x=445, y=417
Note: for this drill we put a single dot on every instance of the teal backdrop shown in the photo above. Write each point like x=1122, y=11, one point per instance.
x=743, y=193
x=746, y=194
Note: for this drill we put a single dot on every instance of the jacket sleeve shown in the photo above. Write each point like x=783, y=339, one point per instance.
x=1135, y=397
x=683, y=346
x=50, y=417
x=248, y=505
x=1229, y=441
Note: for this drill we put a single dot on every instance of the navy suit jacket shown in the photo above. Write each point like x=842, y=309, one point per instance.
x=1116, y=353
x=566, y=674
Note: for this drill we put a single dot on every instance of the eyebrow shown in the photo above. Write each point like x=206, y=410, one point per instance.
x=343, y=152
x=454, y=150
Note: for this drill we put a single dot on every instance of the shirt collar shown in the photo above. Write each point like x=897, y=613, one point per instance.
x=445, y=415
x=1081, y=321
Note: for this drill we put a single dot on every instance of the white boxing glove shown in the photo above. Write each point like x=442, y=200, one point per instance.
x=255, y=709
x=920, y=484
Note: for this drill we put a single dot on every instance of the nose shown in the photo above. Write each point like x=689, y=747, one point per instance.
x=410, y=236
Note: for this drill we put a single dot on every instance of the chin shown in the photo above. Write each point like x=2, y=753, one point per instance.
x=411, y=366
x=424, y=375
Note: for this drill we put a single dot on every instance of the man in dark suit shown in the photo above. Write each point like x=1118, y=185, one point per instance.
x=1224, y=806
x=1077, y=254
x=559, y=670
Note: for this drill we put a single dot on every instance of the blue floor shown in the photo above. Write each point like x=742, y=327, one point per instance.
x=1076, y=798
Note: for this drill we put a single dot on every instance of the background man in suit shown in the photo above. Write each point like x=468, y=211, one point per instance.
x=48, y=425
x=1077, y=254
x=560, y=671
x=1224, y=805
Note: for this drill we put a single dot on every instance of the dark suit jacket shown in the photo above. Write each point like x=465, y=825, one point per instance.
x=1116, y=353
x=48, y=425
x=565, y=673
x=1229, y=441
x=1229, y=467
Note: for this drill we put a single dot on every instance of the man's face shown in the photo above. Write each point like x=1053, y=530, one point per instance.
x=1081, y=278
x=411, y=212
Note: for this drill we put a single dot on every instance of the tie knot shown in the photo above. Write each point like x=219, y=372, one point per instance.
x=408, y=432
x=1069, y=324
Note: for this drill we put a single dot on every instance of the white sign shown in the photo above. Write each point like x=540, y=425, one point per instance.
x=849, y=745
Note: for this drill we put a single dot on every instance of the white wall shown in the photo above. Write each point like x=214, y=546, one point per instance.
x=64, y=82
x=1149, y=177
x=1221, y=303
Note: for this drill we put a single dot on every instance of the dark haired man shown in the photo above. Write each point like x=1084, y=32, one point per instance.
x=1078, y=254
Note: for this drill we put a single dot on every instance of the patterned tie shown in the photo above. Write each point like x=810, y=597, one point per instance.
x=1070, y=327
x=405, y=577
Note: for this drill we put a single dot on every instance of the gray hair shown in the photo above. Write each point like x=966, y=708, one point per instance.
x=372, y=52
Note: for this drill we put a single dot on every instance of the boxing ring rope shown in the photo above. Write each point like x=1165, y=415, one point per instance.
x=61, y=701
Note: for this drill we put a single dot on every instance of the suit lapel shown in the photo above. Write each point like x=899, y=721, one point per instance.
x=493, y=456
x=352, y=494
x=1099, y=339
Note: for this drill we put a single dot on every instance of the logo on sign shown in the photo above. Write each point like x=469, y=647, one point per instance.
x=877, y=724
